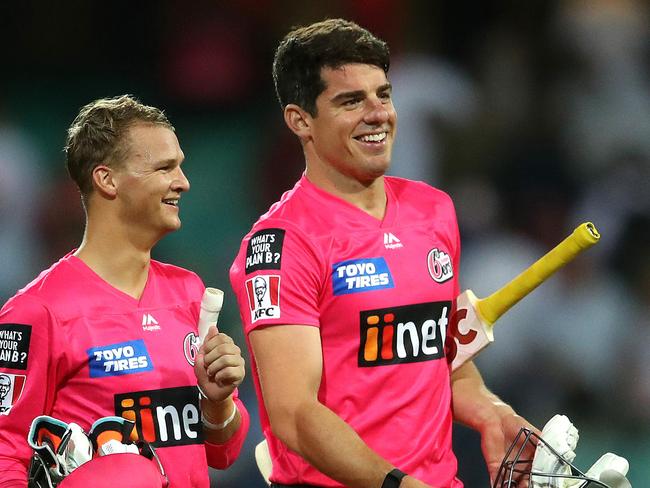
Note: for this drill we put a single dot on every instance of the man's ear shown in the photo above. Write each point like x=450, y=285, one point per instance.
x=104, y=181
x=298, y=120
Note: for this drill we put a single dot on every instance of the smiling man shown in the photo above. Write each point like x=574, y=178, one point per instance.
x=107, y=330
x=348, y=340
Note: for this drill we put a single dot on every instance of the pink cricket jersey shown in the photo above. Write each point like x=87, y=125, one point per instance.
x=77, y=349
x=381, y=294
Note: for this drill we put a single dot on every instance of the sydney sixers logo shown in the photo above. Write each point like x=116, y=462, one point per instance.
x=439, y=264
x=191, y=345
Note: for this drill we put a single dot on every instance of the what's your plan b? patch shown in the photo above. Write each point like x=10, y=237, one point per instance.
x=264, y=250
x=14, y=345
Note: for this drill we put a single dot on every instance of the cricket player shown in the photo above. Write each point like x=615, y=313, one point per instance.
x=107, y=330
x=360, y=270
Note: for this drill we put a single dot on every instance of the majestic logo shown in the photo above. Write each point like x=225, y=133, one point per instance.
x=406, y=334
x=167, y=417
x=439, y=264
x=119, y=359
x=264, y=297
x=264, y=250
x=358, y=275
x=149, y=323
x=11, y=387
x=391, y=242
x=14, y=345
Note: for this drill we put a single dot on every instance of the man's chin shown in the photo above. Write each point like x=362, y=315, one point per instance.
x=377, y=170
x=171, y=226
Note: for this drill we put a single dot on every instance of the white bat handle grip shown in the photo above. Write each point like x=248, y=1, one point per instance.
x=211, y=304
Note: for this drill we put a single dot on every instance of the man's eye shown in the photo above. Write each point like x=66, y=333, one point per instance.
x=351, y=101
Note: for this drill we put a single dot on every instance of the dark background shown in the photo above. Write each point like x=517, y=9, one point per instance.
x=534, y=116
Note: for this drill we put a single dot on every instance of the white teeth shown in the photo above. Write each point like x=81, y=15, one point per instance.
x=171, y=202
x=373, y=137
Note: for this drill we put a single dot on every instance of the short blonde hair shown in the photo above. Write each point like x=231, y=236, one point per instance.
x=96, y=136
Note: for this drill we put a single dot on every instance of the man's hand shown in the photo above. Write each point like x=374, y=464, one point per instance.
x=498, y=433
x=477, y=407
x=219, y=366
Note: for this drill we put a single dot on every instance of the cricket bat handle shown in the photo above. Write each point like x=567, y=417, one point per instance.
x=499, y=302
x=211, y=304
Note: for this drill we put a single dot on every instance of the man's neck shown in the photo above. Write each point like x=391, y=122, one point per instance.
x=369, y=197
x=116, y=259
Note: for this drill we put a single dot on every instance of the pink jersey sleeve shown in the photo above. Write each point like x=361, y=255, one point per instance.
x=221, y=456
x=25, y=363
x=277, y=277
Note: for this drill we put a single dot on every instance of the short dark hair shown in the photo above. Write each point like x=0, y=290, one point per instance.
x=306, y=50
x=97, y=136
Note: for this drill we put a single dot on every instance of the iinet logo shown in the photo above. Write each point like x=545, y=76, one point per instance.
x=167, y=417
x=407, y=334
x=391, y=242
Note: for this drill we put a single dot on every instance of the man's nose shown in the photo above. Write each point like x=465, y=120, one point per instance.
x=377, y=111
x=180, y=183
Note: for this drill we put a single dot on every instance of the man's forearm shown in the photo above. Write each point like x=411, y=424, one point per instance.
x=224, y=440
x=289, y=364
x=334, y=448
x=473, y=403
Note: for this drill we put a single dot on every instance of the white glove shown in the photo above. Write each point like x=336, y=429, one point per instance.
x=77, y=450
x=614, y=479
x=116, y=447
x=610, y=469
x=560, y=434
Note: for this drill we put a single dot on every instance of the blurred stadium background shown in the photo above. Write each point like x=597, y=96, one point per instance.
x=534, y=116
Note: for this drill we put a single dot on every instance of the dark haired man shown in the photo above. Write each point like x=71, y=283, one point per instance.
x=348, y=341
x=107, y=330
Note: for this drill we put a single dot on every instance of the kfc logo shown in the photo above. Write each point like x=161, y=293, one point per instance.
x=11, y=387
x=264, y=297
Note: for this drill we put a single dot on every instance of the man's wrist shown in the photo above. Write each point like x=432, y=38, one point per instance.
x=216, y=413
x=220, y=425
x=393, y=479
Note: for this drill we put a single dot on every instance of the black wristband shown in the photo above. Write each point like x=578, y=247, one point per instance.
x=393, y=479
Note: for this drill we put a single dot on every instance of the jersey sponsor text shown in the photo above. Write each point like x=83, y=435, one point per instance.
x=167, y=417
x=357, y=275
x=404, y=334
x=119, y=359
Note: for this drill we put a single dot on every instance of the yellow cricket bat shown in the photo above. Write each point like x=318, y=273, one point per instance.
x=472, y=323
